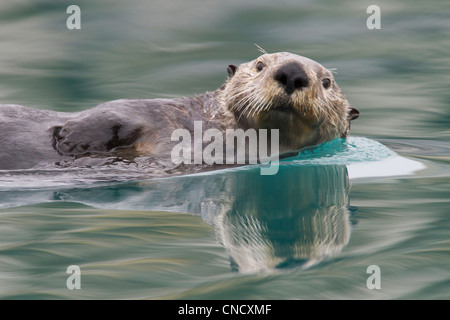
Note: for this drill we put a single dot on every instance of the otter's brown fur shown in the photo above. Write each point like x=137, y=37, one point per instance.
x=276, y=91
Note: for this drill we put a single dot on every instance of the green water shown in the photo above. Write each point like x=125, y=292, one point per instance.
x=308, y=232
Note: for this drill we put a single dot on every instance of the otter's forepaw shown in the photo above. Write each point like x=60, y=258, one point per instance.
x=70, y=139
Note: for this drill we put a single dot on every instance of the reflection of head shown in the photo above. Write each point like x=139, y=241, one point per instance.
x=296, y=218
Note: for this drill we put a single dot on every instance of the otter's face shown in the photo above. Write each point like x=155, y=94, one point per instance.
x=291, y=93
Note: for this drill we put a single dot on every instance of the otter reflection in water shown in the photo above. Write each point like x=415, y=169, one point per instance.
x=295, y=218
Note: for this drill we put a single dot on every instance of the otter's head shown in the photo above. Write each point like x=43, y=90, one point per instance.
x=291, y=93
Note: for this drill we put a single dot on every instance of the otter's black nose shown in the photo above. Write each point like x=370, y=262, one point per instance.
x=292, y=76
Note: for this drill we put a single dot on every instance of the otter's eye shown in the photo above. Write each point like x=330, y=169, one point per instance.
x=260, y=66
x=326, y=83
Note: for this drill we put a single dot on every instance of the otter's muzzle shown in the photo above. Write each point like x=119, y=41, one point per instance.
x=292, y=77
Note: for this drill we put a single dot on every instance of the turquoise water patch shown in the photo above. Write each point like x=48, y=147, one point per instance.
x=363, y=157
x=343, y=151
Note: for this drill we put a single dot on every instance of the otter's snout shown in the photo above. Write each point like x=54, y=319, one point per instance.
x=292, y=76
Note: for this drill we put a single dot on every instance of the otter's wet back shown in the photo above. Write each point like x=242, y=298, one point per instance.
x=310, y=231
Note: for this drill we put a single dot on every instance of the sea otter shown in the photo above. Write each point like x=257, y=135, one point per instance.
x=283, y=91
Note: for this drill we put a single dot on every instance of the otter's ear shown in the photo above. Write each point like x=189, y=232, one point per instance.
x=353, y=114
x=231, y=70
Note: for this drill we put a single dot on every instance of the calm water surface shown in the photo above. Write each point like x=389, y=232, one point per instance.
x=309, y=232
